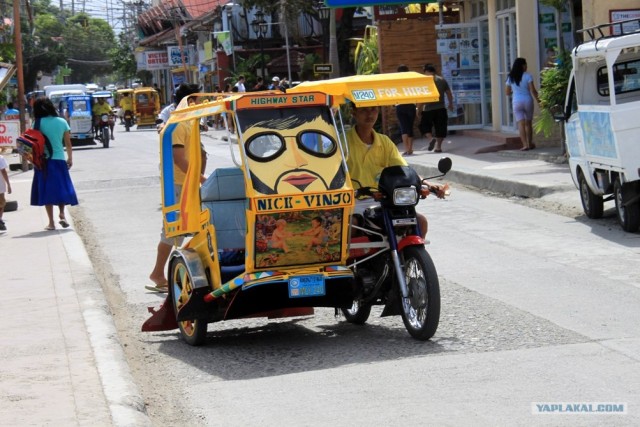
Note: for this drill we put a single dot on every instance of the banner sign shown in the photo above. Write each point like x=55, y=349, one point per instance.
x=224, y=39
x=153, y=60
x=175, y=56
x=9, y=132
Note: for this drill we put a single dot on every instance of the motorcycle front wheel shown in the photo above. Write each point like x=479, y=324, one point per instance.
x=421, y=310
x=105, y=138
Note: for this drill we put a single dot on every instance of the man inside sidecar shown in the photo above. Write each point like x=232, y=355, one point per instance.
x=370, y=152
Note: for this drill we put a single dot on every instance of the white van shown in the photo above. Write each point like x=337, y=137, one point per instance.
x=602, y=125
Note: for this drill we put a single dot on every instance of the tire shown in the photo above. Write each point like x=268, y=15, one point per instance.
x=358, y=314
x=193, y=332
x=105, y=137
x=592, y=204
x=628, y=216
x=421, y=310
x=127, y=125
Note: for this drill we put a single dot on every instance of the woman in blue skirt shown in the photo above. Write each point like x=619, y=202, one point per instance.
x=52, y=185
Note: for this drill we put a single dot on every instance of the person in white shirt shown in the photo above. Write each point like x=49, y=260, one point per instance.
x=240, y=84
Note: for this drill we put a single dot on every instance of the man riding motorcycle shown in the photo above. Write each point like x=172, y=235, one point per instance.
x=99, y=108
x=126, y=105
x=370, y=152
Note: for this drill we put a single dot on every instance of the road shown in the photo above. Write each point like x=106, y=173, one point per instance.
x=536, y=307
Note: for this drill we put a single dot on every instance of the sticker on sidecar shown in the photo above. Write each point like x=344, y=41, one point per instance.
x=306, y=286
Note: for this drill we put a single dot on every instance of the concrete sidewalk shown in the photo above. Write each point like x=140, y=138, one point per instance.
x=481, y=163
x=62, y=363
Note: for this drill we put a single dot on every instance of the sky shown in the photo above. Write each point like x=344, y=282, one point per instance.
x=111, y=11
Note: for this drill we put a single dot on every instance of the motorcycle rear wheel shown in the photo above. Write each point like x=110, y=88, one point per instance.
x=358, y=314
x=421, y=310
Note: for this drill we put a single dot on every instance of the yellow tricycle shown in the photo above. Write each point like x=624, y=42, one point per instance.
x=272, y=235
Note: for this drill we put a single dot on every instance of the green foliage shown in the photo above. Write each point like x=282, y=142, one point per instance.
x=307, y=66
x=87, y=43
x=57, y=39
x=123, y=59
x=553, y=88
x=366, y=54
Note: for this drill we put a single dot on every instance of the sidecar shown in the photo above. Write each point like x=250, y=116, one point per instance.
x=77, y=111
x=268, y=236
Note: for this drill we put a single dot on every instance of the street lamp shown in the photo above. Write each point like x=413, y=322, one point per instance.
x=323, y=13
x=259, y=26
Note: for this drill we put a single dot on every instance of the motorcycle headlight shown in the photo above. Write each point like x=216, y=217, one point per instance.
x=105, y=117
x=406, y=196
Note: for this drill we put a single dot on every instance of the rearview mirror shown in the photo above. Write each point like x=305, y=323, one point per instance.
x=444, y=165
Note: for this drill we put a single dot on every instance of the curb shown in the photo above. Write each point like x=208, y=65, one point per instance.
x=494, y=184
x=125, y=403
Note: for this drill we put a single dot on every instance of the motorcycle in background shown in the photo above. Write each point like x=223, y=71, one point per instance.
x=104, y=124
x=128, y=119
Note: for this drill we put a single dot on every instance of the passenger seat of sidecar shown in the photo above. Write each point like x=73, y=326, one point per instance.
x=223, y=194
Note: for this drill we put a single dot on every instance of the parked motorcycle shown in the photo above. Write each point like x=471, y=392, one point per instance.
x=104, y=129
x=387, y=254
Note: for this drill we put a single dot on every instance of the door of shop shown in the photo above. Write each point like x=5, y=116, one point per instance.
x=507, y=51
x=464, y=54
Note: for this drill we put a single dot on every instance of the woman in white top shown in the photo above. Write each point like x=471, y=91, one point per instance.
x=522, y=90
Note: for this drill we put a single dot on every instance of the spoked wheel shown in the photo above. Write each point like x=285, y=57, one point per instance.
x=421, y=310
x=358, y=314
x=592, y=204
x=194, y=332
x=629, y=215
x=105, y=137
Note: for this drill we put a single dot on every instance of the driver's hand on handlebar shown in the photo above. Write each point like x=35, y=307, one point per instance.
x=441, y=190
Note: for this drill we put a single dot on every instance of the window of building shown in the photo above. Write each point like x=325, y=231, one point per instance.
x=478, y=8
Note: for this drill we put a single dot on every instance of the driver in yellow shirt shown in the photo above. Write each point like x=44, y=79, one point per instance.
x=126, y=104
x=370, y=152
x=99, y=108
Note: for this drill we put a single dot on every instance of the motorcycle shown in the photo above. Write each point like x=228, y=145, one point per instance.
x=387, y=253
x=128, y=119
x=105, y=121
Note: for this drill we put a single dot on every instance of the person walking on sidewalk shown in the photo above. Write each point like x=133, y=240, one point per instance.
x=406, y=114
x=5, y=187
x=180, y=146
x=52, y=185
x=434, y=115
x=522, y=91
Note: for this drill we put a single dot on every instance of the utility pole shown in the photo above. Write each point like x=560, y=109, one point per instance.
x=17, y=39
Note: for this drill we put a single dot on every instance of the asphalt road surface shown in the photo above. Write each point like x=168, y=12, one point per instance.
x=539, y=305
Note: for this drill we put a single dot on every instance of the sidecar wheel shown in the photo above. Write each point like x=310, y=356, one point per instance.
x=421, y=310
x=358, y=314
x=193, y=332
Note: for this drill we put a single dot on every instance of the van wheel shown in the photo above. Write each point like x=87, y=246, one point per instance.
x=592, y=204
x=628, y=216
